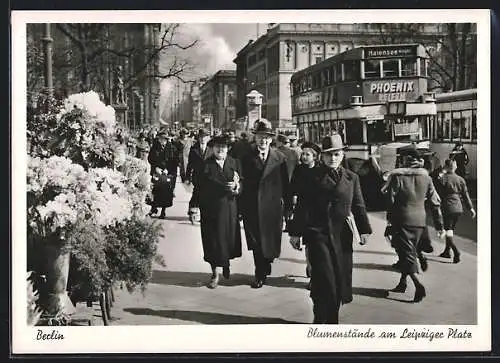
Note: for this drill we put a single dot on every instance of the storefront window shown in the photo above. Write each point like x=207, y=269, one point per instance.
x=390, y=68
x=408, y=67
x=378, y=131
x=372, y=69
x=354, y=132
x=455, y=125
x=351, y=70
x=465, y=126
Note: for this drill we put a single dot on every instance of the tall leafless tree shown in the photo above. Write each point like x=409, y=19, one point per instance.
x=452, y=50
x=91, y=51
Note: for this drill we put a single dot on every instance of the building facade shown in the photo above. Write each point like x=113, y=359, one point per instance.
x=85, y=57
x=218, y=99
x=268, y=63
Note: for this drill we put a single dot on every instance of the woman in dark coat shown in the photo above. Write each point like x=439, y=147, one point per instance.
x=330, y=215
x=408, y=189
x=161, y=157
x=219, y=185
x=299, y=185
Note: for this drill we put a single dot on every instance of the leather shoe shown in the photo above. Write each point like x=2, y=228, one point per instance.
x=214, y=282
x=401, y=287
x=456, y=258
x=258, y=283
x=419, y=293
x=225, y=272
x=445, y=255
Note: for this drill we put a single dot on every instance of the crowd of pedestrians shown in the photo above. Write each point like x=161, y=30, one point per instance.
x=273, y=184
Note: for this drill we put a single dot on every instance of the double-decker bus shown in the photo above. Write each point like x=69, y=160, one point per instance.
x=371, y=95
x=375, y=97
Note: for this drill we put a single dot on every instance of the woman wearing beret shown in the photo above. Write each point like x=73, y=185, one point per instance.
x=329, y=218
x=299, y=185
x=219, y=185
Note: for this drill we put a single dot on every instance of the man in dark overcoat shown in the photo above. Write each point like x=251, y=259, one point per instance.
x=219, y=185
x=199, y=152
x=264, y=200
x=330, y=216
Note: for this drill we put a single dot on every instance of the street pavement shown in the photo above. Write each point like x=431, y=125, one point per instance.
x=177, y=293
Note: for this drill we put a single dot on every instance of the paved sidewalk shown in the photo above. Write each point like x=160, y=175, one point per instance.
x=178, y=294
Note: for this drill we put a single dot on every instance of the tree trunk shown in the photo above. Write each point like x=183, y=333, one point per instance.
x=463, y=56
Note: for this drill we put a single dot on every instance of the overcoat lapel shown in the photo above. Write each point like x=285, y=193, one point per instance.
x=344, y=181
x=272, y=161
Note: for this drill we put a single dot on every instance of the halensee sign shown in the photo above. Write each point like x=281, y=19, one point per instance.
x=378, y=52
x=390, y=91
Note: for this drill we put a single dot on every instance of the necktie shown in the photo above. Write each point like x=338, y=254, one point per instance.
x=263, y=156
x=335, y=175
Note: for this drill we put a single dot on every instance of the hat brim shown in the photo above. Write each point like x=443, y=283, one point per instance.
x=333, y=149
x=263, y=132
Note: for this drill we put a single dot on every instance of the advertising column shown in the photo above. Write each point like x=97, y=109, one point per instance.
x=254, y=107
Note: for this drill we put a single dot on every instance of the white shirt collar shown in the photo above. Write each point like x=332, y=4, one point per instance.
x=220, y=162
x=265, y=152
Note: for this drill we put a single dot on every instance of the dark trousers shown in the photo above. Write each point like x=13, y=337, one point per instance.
x=262, y=264
x=326, y=276
x=195, y=197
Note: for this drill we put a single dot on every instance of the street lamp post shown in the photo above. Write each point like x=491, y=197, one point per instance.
x=47, y=45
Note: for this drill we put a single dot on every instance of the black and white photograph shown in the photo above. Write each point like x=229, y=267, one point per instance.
x=309, y=185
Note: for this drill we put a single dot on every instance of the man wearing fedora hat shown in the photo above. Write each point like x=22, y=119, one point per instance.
x=330, y=217
x=264, y=200
x=199, y=152
x=408, y=188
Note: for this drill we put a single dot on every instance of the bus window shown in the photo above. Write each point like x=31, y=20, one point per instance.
x=465, y=126
x=378, y=131
x=424, y=126
x=333, y=74
x=474, y=125
x=354, y=132
x=309, y=83
x=456, y=122
x=446, y=125
x=351, y=70
x=408, y=67
x=372, y=69
x=325, y=77
x=438, y=128
x=390, y=68
x=338, y=71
